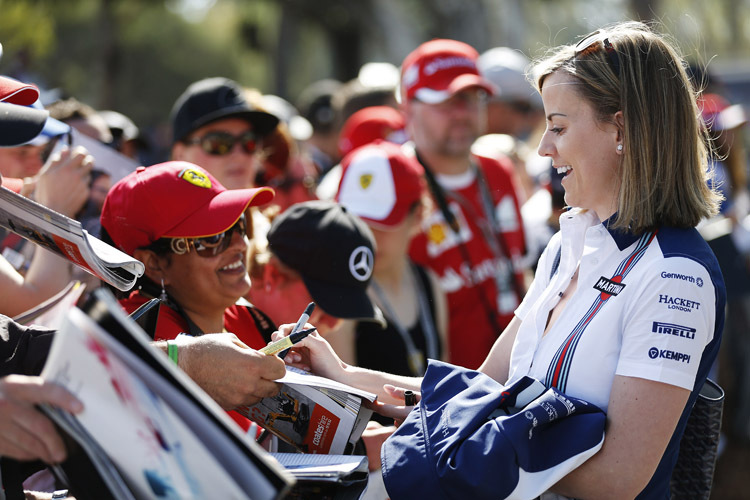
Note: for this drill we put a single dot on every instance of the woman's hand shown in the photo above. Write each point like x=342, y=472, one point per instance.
x=314, y=354
x=63, y=182
x=397, y=412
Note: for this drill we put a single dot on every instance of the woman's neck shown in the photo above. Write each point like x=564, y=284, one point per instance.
x=391, y=277
x=208, y=323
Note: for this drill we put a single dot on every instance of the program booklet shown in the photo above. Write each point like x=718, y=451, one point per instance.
x=313, y=414
x=147, y=430
x=65, y=237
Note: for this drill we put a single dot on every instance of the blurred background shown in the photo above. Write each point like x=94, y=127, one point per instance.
x=137, y=56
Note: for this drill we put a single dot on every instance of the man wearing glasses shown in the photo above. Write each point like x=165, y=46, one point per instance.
x=215, y=127
x=473, y=238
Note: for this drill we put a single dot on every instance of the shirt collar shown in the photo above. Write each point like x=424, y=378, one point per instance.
x=622, y=237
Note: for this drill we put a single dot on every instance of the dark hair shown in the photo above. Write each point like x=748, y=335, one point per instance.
x=144, y=283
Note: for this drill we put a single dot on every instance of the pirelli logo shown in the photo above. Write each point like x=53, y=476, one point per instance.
x=609, y=287
x=672, y=329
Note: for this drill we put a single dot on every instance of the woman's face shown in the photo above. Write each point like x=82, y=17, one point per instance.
x=392, y=245
x=581, y=147
x=209, y=284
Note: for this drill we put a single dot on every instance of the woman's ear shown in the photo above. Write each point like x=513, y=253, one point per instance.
x=272, y=276
x=620, y=123
x=154, y=264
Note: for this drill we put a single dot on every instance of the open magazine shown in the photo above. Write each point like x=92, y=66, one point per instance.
x=313, y=414
x=65, y=236
x=147, y=430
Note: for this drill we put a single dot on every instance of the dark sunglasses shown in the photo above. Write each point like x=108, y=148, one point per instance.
x=222, y=143
x=205, y=246
x=65, y=139
x=592, y=42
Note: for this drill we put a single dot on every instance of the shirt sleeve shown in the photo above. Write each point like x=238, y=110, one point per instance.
x=669, y=323
x=23, y=349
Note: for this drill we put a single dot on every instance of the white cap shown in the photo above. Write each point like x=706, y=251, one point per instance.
x=506, y=69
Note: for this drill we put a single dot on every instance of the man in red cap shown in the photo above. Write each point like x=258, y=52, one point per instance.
x=473, y=239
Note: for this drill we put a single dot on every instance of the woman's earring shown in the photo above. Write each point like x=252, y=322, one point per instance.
x=619, y=148
x=163, y=296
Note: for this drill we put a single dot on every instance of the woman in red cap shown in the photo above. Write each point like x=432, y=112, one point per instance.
x=190, y=233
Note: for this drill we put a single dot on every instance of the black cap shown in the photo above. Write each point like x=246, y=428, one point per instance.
x=213, y=99
x=20, y=124
x=315, y=104
x=333, y=251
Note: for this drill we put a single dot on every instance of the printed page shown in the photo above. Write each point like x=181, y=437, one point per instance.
x=65, y=237
x=156, y=451
x=301, y=377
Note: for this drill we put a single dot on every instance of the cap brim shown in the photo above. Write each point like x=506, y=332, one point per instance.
x=263, y=123
x=15, y=92
x=20, y=124
x=461, y=82
x=343, y=302
x=220, y=213
x=52, y=128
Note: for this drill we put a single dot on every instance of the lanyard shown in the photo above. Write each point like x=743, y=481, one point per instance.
x=438, y=193
x=415, y=358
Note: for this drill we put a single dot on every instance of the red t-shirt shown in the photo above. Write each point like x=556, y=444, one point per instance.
x=237, y=319
x=472, y=290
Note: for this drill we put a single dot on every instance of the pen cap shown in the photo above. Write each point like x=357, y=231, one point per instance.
x=332, y=250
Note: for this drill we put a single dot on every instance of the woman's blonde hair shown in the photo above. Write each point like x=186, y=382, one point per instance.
x=664, y=170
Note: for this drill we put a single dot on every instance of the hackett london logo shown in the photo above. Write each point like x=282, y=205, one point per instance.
x=679, y=303
x=609, y=287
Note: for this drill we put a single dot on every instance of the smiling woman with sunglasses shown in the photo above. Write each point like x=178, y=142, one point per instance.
x=189, y=231
x=216, y=127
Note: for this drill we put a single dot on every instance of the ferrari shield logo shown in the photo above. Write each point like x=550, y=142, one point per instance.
x=365, y=180
x=195, y=178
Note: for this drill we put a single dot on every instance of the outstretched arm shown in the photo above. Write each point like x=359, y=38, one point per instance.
x=231, y=373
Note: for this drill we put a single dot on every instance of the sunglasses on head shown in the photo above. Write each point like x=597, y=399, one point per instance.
x=222, y=143
x=598, y=39
x=205, y=246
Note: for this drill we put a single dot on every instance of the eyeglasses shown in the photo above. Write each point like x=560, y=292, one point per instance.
x=205, y=246
x=222, y=143
x=588, y=45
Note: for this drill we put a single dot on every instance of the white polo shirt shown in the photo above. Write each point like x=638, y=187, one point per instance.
x=644, y=306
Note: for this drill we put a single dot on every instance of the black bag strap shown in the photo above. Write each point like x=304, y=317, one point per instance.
x=264, y=324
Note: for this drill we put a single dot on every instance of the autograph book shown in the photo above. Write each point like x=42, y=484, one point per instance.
x=65, y=237
x=313, y=414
